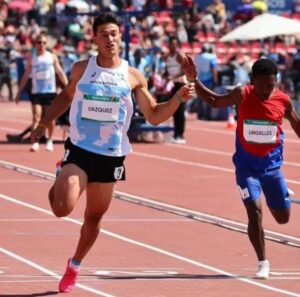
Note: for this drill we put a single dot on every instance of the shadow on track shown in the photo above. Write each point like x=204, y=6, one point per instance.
x=48, y=293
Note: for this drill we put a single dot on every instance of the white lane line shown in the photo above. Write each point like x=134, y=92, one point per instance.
x=214, y=152
x=177, y=161
x=158, y=220
x=47, y=271
x=27, y=181
x=194, y=164
x=165, y=207
x=143, y=245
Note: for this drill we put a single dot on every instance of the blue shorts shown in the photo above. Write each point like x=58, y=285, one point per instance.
x=272, y=184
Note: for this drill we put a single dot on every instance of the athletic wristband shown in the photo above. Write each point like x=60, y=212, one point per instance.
x=42, y=126
x=177, y=96
x=192, y=80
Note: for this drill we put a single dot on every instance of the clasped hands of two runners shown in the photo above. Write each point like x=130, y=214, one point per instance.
x=188, y=91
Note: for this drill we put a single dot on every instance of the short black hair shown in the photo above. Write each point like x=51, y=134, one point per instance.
x=264, y=67
x=172, y=38
x=106, y=18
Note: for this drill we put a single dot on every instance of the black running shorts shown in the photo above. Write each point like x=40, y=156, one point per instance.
x=42, y=99
x=99, y=168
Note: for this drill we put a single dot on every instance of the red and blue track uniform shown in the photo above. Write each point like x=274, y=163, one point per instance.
x=259, y=147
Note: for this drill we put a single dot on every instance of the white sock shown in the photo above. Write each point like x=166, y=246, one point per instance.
x=263, y=262
x=74, y=266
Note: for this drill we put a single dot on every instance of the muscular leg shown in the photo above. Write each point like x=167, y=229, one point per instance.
x=255, y=228
x=36, y=114
x=281, y=216
x=99, y=196
x=277, y=197
x=68, y=186
x=51, y=125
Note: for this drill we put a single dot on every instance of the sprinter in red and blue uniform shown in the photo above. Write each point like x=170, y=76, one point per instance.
x=261, y=108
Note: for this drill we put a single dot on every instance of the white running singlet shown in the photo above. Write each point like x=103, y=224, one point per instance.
x=101, y=110
x=43, y=74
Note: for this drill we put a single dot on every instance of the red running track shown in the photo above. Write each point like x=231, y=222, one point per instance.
x=143, y=252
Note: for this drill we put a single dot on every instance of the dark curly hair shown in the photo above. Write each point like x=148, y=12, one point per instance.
x=264, y=67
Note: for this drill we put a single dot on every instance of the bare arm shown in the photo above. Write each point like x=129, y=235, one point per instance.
x=154, y=112
x=293, y=117
x=218, y=100
x=61, y=102
x=24, y=79
x=212, y=98
x=58, y=69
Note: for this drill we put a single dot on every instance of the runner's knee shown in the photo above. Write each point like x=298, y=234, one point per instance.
x=93, y=221
x=60, y=210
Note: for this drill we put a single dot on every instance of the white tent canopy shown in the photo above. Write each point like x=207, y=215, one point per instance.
x=264, y=26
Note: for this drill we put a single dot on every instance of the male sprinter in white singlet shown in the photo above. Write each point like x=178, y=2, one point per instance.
x=99, y=92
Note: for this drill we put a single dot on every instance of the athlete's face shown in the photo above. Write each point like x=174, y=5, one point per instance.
x=108, y=39
x=173, y=46
x=264, y=85
x=41, y=44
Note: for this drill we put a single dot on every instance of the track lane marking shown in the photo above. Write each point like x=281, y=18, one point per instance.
x=201, y=165
x=214, y=152
x=195, y=215
x=137, y=243
x=45, y=270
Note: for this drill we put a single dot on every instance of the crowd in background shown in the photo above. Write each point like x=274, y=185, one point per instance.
x=152, y=23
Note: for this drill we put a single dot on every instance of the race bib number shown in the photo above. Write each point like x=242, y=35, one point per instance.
x=244, y=193
x=101, y=108
x=43, y=74
x=257, y=131
x=119, y=172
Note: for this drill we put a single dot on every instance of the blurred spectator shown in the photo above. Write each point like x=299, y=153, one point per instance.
x=138, y=5
x=181, y=32
x=161, y=87
x=3, y=10
x=244, y=12
x=108, y=5
x=149, y=33
x=218, y=11
x=142, y=62
x=260, y=6
x=295, y=76
x=187, y=3
x=206, y=22
x=241, y=70
x=191, y=30
x=206, y=65
x=296, y=6
x=175, y=74
x=42, y=67
x=5, y=78
x=67, y=59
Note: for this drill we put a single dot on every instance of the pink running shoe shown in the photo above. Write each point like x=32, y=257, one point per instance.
x=68, y=281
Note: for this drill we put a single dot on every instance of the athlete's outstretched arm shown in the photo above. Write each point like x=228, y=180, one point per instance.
x=209, y=96
x=293, y=117
x=156, y=113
